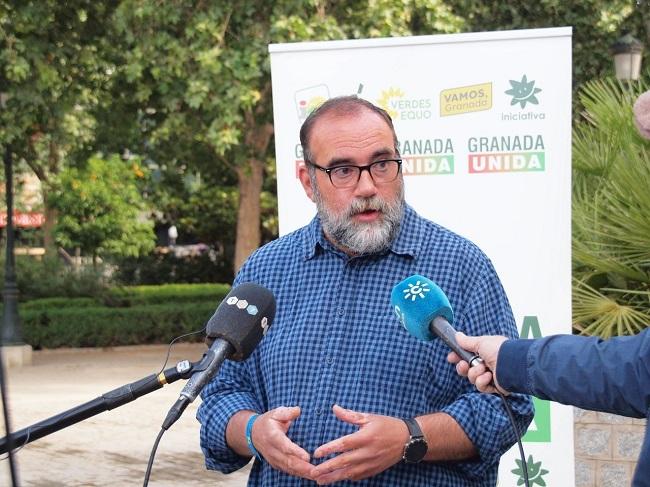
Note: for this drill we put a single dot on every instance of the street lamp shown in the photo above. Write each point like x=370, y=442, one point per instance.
x=11, y=333
x=627, y=57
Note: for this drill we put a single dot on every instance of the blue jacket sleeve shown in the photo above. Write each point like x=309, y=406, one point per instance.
x=603, y=375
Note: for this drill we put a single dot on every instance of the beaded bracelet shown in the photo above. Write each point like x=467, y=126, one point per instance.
x=249, y=439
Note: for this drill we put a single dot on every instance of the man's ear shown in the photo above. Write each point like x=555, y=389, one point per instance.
x=305, y=180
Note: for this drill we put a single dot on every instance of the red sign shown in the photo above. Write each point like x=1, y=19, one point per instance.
x=31, y=219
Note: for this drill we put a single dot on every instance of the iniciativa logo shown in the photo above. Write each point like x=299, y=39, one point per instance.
x=523, y=92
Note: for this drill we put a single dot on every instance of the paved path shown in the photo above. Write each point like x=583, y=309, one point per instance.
x=112, y=448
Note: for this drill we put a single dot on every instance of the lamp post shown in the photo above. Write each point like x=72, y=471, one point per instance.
x=627, y=57
x=11, y=333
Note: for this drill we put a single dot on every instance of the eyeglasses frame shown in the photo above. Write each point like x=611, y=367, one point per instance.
x=328, y=170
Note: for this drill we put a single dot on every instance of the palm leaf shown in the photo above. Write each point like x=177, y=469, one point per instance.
x=611, y=213
x=595, y=313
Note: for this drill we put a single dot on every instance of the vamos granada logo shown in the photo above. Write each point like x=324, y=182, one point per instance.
x=466, y=99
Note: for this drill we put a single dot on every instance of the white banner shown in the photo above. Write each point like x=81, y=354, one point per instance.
x=484, y=124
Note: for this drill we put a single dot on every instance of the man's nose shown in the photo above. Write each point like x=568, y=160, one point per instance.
x=366, y=185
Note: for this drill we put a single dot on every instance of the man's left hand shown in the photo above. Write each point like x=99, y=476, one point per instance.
x=376, y=446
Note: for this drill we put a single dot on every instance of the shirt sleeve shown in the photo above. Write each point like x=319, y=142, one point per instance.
x=224, y=396
x=231, y=391
x=603, y=375
x=483, y=417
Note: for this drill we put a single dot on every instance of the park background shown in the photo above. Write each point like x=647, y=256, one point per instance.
x=122, y=119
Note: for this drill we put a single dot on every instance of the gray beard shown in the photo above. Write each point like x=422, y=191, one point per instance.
x=362, y=238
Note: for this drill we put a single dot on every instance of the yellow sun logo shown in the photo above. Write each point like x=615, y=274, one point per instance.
x=416, y=290
x=386, y=97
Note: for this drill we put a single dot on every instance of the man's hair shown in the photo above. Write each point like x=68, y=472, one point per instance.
x=341, y=105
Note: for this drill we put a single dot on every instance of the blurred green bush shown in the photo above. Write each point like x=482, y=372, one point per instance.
x=123, y=316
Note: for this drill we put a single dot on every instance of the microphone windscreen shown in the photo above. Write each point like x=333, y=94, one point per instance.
x=242, y=318
x=417, y=301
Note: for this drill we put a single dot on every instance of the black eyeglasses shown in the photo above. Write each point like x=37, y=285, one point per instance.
x=383, y=171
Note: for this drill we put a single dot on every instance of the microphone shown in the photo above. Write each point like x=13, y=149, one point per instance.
x=234, y=330
x=424, y=310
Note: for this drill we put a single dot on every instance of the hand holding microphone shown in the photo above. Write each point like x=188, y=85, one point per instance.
x=481, y=375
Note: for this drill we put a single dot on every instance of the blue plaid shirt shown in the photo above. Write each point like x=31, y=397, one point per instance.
x=336, y=340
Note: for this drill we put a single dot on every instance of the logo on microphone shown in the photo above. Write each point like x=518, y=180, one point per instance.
x=251, y=309
x=416, y=290
x=265, y=325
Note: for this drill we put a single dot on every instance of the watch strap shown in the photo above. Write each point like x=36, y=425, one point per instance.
x=414, y=428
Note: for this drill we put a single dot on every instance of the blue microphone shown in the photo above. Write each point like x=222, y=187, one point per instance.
x=424, y=310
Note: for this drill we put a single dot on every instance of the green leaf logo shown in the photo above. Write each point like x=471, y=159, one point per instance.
x=523, y=92
x=535, y=472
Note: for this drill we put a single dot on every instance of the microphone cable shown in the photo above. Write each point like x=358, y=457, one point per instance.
x=152, y=455
x=511, y=417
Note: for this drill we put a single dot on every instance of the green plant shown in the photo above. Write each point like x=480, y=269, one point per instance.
x=611, y=213
x=121, y=316
x=50, y=277
x=106, y=327
x=158, y=268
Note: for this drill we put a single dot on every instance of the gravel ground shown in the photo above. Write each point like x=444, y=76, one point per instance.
x=113, y=447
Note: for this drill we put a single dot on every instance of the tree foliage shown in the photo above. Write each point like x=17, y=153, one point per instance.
x=100, y=208
x=596, y=25
x=53, y=71
x=201, y=75
x=611, y=208
x=186, y=86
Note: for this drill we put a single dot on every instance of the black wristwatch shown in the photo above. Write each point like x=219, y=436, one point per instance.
x=416, y=447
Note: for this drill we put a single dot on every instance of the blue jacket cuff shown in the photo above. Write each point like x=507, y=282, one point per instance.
x=512, y=369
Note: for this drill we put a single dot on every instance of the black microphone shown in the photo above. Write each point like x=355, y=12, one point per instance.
x=235, y=329
x=425, y=312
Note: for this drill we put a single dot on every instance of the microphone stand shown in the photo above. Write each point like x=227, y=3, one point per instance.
x=105, y=402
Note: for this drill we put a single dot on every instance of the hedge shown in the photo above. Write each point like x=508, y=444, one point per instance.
x=130, y=316
x=150, y=294
x=107, y=327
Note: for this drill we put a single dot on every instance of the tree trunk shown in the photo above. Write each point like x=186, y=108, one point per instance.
x=48, y=226
x=250, y=177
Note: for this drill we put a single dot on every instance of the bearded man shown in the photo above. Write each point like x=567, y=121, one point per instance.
x=338, y=391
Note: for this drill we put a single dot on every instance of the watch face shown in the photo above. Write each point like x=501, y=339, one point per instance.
x=415, y=450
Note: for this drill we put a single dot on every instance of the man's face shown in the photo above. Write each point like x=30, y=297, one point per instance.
x=364, y=218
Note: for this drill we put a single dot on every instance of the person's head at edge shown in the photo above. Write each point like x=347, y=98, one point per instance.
x=364, y=215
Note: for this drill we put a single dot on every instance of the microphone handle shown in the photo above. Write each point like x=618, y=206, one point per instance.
x=219, y=351
x=441, y=327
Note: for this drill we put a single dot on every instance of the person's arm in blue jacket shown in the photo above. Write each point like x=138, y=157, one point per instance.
x=603, y=375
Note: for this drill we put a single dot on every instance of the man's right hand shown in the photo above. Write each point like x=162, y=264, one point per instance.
x=269, y=435
x=483, y=376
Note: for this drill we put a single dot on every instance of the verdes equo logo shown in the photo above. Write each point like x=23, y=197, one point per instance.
x=402, y=107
